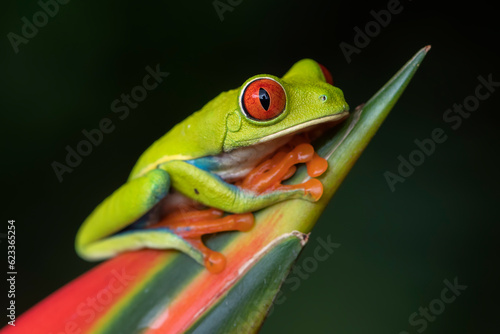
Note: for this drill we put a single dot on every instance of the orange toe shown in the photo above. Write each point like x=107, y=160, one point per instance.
x=304, y=152
x=215, y=262
x=314, y=187
x=243, y=222
x=316, y=166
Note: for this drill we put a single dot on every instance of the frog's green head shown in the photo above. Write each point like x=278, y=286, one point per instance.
x=265, y=110
x=266, y=107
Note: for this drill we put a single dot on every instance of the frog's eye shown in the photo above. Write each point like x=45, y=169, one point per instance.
x=263, y=99
x=326, y=74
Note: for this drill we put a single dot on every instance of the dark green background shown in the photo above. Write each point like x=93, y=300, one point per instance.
x=396, y=247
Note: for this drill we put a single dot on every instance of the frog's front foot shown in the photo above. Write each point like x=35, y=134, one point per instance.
x=267, y=176
x=192, y=225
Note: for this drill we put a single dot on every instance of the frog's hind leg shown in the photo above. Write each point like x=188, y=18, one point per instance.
x=192, y=225
x=118, y=211
x=129, y=219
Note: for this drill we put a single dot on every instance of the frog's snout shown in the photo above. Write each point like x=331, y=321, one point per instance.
x=332, y=97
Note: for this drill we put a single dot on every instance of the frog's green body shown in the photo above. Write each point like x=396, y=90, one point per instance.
x=197, y=157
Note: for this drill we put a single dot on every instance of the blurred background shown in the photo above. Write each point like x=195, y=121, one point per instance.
x=396, y=247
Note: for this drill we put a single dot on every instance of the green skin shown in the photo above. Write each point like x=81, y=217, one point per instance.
x=219, y=129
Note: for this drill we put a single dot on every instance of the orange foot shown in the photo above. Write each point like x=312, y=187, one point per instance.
x=192, y=225
x=269, y=174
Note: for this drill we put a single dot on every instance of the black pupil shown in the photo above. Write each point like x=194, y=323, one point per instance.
x=265, y=100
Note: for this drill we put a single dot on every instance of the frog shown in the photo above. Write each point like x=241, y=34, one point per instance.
x=202, y=176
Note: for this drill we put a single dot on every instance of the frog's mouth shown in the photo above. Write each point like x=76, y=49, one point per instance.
x=323, y=122
x=236, y=164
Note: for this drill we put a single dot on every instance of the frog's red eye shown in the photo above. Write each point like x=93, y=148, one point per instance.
x=263, y=99
x=326, y=74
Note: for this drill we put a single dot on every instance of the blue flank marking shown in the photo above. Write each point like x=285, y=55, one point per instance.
x=208, y=164
x=156, y=229
x=159, y=194
x=159, y=189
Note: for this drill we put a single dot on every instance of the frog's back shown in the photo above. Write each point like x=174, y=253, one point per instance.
x=199, y=135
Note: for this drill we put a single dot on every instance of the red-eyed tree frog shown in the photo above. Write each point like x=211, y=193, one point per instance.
x=218, y=159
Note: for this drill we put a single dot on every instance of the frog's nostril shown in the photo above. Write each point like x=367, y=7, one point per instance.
x=323, y=98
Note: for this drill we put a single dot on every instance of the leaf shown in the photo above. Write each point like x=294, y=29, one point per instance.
x=153, y=291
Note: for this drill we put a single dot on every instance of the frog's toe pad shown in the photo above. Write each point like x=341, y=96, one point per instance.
x=243, y=222
x=317, y=166
x=313, y=189
x=215, y=262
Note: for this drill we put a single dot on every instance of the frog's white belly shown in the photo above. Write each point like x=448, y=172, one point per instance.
x=239, y=162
